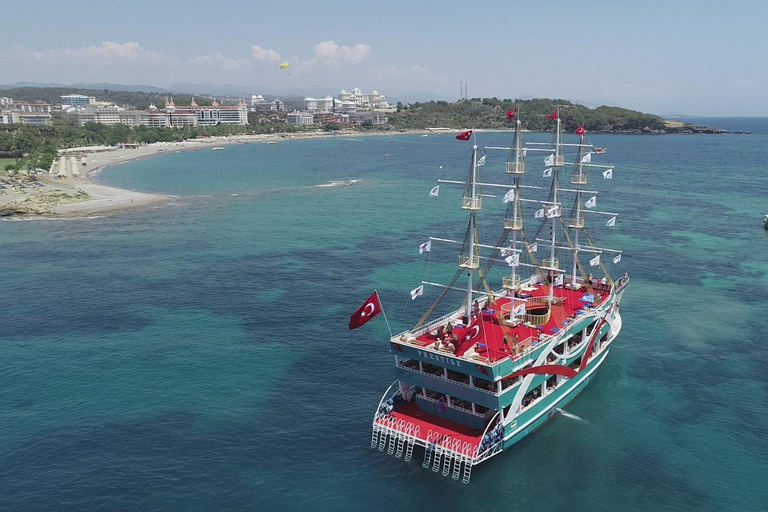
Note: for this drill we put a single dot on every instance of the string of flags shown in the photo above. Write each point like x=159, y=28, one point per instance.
x=611, y=222
x=587, y=158
x=513, y=261
x=594, y=261
x=550, y=160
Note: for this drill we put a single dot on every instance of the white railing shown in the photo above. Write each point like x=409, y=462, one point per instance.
x=442, y=377
x=448, y=404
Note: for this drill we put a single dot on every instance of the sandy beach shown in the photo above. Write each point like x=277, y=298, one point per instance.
x=48, y=196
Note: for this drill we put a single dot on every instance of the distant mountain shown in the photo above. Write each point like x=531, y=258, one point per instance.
x=19, y=85
x=98, y=86
x=245, y=91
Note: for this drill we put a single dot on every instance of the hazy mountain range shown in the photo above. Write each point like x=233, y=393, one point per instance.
x=220, y=90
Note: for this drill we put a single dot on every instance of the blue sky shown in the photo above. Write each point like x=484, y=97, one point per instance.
x=669, y=57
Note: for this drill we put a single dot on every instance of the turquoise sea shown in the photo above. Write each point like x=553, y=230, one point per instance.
x=196, y=356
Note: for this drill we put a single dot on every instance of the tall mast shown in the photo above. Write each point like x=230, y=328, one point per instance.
x=554, y=210
x=576, y=221
x=513, y=220
x=471, y=200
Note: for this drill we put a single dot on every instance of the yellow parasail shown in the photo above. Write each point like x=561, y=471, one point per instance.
x=283, y=65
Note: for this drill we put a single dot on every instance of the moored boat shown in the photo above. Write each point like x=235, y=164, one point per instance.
x=473, y=382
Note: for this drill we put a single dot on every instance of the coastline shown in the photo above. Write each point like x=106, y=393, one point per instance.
x=86, y=197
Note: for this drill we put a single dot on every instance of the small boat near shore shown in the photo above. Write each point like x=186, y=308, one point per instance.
x=218, y=149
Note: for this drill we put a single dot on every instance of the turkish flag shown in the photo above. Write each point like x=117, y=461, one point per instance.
x=464, y=135
x=580, y=131
x=511, y=114
x=368, y=310
x=553, y=115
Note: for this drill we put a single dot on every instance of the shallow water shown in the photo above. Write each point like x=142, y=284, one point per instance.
x=196, y=356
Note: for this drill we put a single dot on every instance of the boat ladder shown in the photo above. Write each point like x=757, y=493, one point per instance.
x=428, y=449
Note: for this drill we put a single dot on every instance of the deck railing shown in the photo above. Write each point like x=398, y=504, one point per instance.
x=442, y=377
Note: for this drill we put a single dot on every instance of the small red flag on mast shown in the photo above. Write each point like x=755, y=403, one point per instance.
x=511, y=114
x=554, y=114
x=368, y=310
x=580, y=131
x=464, y=135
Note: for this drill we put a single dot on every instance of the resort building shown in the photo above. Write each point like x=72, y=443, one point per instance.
x=30, y=118
x=322, y=105
x=373, y=100
x=77, y=100
x=171, y=115
x=4, y=100
x=259, y=104
x=344, y=107
x=368, y=118
x=22, y=106
x=296, y=118
x=103, y=115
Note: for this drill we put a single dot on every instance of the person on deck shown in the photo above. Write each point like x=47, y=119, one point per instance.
x=505, y=342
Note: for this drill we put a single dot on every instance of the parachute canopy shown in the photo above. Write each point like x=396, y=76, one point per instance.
x=283, y=65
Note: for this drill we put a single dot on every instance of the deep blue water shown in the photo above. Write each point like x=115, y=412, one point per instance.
x=196, y=356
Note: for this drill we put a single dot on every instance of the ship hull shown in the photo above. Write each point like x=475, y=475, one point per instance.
x=547, y=408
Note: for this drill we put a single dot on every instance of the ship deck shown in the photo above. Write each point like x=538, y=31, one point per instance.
x=488, y=347
x=434, y=429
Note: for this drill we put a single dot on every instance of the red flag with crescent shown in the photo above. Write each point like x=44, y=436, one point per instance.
x=580, y=131
x=553, y=115
x=511, y=114
x=368, y=310
x=464, y=135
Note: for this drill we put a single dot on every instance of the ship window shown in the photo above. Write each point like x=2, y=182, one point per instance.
x=484, y=384
x=575, y=364
x=506, y=384
x=480, y=409
x=432, y=369
x=458, y=377
x=409, y=363
x=551, y=383
x=434, y=395
x=589, y=328
x=531, y=396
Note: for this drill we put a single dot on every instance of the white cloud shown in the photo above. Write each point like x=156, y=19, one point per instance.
x=331, y=53
x=108, y=53
x=260, y=53
x=743, y=84
x=219, y=62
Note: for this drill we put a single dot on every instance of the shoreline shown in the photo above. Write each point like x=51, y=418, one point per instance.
x=106, y=200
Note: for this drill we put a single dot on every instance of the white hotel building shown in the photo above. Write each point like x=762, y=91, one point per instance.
x=170, y=116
